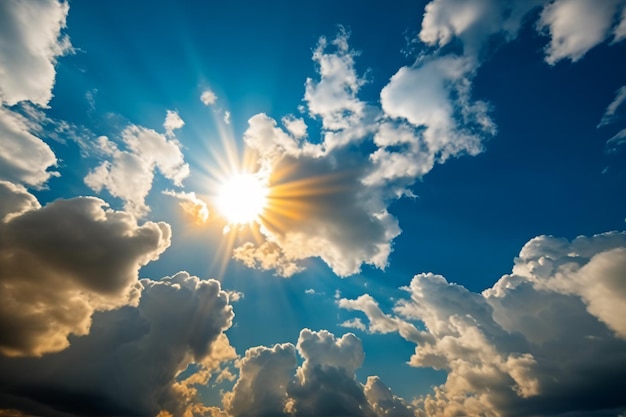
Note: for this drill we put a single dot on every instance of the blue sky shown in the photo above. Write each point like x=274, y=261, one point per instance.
x=441, y=229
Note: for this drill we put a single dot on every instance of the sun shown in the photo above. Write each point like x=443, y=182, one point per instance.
x=242, y=198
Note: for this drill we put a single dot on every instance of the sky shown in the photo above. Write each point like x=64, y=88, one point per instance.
x=353, y=208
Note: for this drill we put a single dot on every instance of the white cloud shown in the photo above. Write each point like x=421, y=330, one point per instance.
x=132, y=356
x=328, y=199
x=473, y=21
x=355, y=323
x=172, y=122
x=333, y=97
x=193, y=206
x=576, y=26
x=295, y=126
x=24, y=158
x=380, y=322
x=423, y=95
x=208, y=97
x=129, y=173
x=227, y=117
x=62, y=262
x=525, y=344
x=30, y=42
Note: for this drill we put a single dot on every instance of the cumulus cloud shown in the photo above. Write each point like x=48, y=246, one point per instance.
x=324, y=385
x=384, y=402
x=208, y=97
x=433, y=94
x=128, y=364
x=329, y=199
x=576, y=26
x=523, y=346
x=129, y=173
x=30, y=43
x=264, y=374
x=573, y=26
x=172, y=122
x=318, y=208
x=62, y=262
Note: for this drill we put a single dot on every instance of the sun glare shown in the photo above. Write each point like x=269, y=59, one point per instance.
x=242, y=198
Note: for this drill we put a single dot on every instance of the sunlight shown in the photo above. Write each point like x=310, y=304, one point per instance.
x=242, y=198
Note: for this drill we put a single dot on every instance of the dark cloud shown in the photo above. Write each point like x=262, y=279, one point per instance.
x=324, y=385
x=127, y=365
x=62, y=262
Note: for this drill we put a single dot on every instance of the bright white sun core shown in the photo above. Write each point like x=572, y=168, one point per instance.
x=242, y=198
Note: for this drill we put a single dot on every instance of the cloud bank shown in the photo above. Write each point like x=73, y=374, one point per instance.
x=526, y=345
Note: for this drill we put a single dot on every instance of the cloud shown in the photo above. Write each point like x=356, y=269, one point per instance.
x=15, y=200
x=472, y=21
x=318, y=208
x=333, y=97
x=324, y=385
x=432, y=119
x=380, y=322
x=208, y=97
x=338, y=211
x=61, y=263
x=295, y=126
x=576, y=26
x=523, y=347
x=31, y=43
x=609, y=117
x=266, y=256
x=609, y=114
x=619, y=33
x=128, y=364
x=129, y=173
x=384, y=402
x=193, y=206
x=24, y=158
x=172, y=122
x=355, y=323
x=264, y=374
x=616, y=141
